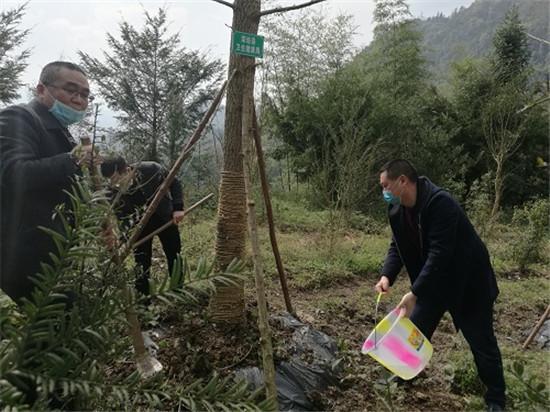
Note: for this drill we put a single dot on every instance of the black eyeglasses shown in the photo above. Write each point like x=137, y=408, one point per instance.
x=74, y=91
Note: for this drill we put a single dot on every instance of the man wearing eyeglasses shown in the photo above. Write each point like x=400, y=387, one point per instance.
x=38, y=159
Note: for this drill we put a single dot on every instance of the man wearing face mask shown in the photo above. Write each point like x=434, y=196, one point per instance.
x=448, y=266
x=38, y=160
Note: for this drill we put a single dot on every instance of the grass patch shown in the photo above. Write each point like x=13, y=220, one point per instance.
x=500, y=243
x=525, y=293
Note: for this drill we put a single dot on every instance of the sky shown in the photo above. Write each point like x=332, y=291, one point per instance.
x=60, y=28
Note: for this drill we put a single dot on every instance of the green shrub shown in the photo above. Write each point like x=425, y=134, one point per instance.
x=531, y=222
x=463, y=376
x=526, y=392
x=479, y=202
x=364, y=263
x=320, y=275
x=51, y=352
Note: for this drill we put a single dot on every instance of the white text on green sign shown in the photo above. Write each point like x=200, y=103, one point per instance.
x=247, y=44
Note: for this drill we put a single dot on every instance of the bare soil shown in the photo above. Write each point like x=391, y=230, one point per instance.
x=191, y=346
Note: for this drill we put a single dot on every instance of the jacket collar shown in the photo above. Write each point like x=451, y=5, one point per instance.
x=48, y=120
x=425, y=190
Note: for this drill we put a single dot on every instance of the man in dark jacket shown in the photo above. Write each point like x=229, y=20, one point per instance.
x=38, y=159
x=146, y=178
x=448, y=266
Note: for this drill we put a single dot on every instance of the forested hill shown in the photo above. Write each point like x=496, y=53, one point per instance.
x=468, y=32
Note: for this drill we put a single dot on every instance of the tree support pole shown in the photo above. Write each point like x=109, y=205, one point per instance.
x=537, y=328
x=263, y=318
x=269, y=210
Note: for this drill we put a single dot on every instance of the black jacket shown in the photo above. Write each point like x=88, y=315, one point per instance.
x=35, y=170
x=149, y=177
x=454, y=266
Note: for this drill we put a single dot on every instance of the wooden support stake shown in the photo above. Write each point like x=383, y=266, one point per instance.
x=263, y=318
x=146, y=364
x=269, y=211
x=171, y=222
x=537, y=328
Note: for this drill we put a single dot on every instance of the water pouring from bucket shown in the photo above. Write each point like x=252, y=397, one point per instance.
x=398, y=345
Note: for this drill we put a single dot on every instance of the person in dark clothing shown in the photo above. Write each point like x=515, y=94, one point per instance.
x=146, y=178
x=448, y=266
x=38, y=160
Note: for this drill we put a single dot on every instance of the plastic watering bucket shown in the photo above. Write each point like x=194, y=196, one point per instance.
x=398, y=345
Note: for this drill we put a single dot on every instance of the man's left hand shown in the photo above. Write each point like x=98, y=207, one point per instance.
x=407, y=302
x=177, y=216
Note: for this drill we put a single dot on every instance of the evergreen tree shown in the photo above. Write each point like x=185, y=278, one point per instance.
x=504, y=125
x=12, y=62
x=160, y=88
x=60, y=355
x=511, y=52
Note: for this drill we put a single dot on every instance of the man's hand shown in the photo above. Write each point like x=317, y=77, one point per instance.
x=383, y=285
x=407, y=302
x=83, y=155
x=177, y=216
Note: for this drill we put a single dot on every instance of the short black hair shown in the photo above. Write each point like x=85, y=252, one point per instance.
x=112, y=165
x=397, y=167
x=49, y=72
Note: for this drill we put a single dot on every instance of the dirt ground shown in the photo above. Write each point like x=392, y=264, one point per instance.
x=192, y=346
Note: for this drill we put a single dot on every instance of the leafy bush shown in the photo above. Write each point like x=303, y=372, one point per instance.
x=463, y=376
x=531, y=220
x=479, y=203
x=525, y=391
x=57, y=352
x=364, y=263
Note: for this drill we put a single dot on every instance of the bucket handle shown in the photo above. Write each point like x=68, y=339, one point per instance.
x=399, y=317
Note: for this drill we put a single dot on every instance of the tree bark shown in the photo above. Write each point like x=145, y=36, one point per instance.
x=499, y=184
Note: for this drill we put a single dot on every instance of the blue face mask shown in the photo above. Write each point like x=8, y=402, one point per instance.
x=390, y=198
x=66, y=114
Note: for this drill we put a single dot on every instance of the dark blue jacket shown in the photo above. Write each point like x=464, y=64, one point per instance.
x=453, y=266
x=35, y=171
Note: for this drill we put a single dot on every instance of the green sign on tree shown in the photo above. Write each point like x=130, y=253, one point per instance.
x=247, y=44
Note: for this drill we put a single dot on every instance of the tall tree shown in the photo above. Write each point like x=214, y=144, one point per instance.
x=160, y=88
x=503, y=123
x=301, y=50
x=394, y=60
x=511, y=51
x=228, y=302
x=408, y=117
x=12, y=61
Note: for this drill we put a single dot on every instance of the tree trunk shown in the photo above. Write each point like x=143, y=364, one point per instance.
x=227, y=304
x=499, y=186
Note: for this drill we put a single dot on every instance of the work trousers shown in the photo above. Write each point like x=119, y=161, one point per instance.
x=477, y=328
x=171, y=245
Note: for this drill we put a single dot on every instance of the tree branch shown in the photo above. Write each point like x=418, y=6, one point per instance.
x=289, y=8
x=544, y=99
x=225, y=3
x=539, y=39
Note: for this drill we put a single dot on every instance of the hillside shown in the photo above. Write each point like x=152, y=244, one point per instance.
x=468, y=32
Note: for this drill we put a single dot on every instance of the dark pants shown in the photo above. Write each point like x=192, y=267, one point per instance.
x=477, y=329
x=171, y=244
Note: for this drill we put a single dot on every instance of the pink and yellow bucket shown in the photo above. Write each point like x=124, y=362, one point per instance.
x=399, y=345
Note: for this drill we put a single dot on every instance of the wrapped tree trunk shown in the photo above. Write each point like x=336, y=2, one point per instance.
x=227, y=303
